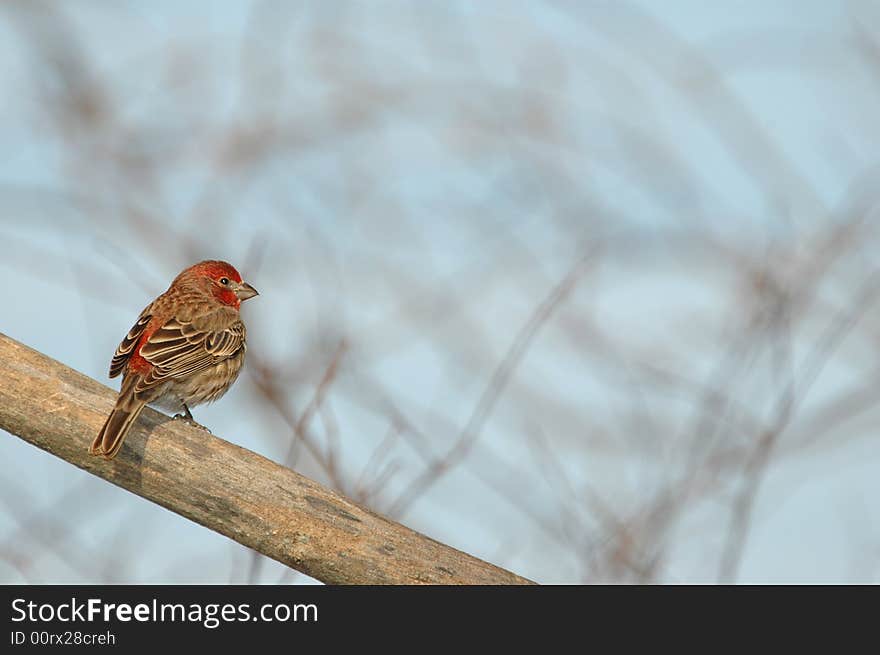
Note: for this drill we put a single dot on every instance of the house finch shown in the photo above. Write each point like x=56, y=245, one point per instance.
x=186, y=348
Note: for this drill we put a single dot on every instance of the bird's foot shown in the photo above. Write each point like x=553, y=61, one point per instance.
x=188, y=417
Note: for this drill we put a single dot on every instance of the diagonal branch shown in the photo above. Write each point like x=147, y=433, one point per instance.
x=228, y=489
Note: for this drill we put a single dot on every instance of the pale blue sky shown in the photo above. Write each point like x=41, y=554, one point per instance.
x=793, y=72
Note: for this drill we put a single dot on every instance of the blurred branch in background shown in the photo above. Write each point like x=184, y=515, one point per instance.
x=407, y=185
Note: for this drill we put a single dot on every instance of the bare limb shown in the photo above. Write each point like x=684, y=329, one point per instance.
x=224, y=487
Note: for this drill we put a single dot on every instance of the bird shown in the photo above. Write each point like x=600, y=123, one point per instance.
x=187, y=347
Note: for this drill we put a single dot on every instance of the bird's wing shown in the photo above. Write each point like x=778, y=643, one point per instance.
x=124, y=349
x=182, y=347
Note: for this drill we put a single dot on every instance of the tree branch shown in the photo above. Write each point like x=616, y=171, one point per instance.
x=224, y=487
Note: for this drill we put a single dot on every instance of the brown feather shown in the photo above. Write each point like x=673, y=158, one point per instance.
x=128, y=408
x=179, y=348
x=124, y=350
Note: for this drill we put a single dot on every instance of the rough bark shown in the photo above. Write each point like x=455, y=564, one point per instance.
x=224, y=487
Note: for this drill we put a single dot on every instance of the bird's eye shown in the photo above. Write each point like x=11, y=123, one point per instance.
x=224, y=281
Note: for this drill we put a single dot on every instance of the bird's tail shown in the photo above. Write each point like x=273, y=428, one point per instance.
x=110, y=438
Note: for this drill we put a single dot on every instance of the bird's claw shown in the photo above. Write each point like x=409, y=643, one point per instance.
x=191, y=421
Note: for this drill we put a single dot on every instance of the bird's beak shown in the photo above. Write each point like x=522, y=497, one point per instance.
x=244, y=291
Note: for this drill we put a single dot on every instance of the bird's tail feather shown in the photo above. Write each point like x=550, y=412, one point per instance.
x=110, y=438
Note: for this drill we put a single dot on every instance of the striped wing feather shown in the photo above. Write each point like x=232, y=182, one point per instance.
x=180, y=348
x=124, y=350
